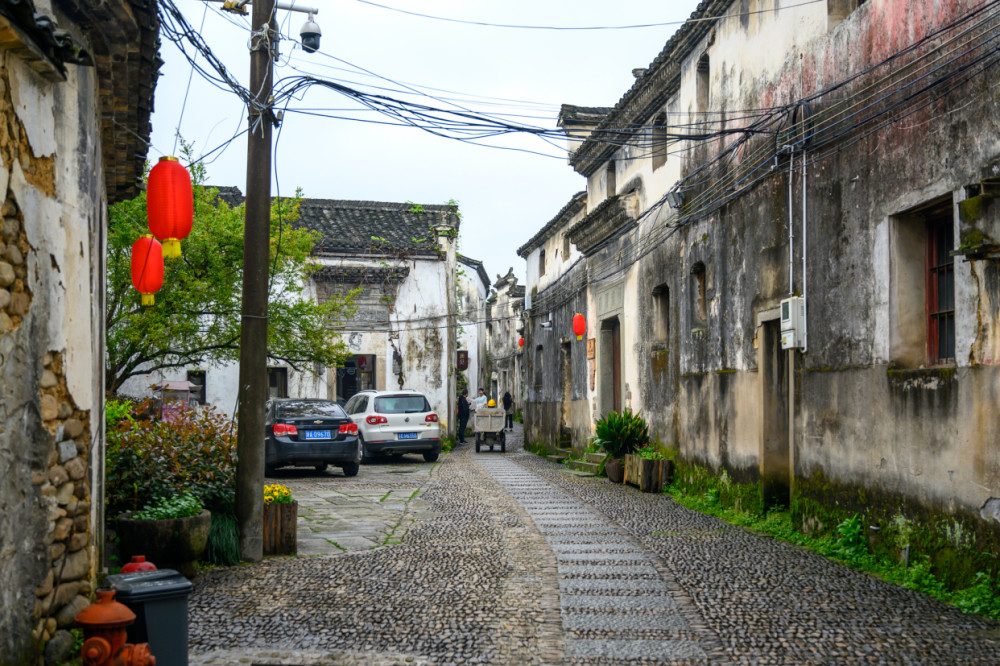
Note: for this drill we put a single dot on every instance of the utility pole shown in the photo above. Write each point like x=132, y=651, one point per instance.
x=253, y=329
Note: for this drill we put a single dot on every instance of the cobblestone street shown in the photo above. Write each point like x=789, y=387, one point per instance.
x=508, y=559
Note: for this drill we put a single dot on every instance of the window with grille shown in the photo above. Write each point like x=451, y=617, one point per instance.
x=940, y=291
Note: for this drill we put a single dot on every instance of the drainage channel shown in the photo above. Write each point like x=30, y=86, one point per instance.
x=614, y=603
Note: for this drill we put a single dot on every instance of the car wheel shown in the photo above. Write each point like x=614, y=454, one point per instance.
x=365, y=455
x=503, y=443
x=351, y=469
x=431, y=456
x=322, y=467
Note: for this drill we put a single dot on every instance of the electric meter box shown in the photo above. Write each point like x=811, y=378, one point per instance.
x=793, y=323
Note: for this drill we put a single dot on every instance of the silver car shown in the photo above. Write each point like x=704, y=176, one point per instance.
x=394, y=423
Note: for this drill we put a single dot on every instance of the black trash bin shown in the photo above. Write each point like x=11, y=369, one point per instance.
x=159, y=601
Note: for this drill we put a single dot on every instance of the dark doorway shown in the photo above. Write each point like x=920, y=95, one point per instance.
x=611, y=366
x=567, y=383
x=775, y=454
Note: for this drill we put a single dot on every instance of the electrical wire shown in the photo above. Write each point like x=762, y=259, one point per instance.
x=603, y=27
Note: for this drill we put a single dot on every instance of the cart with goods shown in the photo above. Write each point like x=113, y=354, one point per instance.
x=488, y=424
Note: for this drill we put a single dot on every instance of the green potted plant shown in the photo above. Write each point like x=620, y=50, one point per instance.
x=620, y=433
x=172, y=532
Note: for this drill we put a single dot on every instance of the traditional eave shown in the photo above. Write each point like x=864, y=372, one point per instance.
x=609, y=219
x=361, y=274
x=651, y=91
x=567, y=212
x=477, y=266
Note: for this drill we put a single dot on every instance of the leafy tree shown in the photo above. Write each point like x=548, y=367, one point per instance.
x=196, y=318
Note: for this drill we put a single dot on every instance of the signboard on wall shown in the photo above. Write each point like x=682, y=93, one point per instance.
x=463, y=359
x=591, y=348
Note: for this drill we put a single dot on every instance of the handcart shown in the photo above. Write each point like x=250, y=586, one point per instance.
x=489, y=423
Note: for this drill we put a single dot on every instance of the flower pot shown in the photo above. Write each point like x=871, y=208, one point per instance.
x=172, y=543
x=615, y=470
x=281, y=528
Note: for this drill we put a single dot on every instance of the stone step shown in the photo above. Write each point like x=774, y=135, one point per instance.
x=557, y=457
x=596, y=457
x=583, y=466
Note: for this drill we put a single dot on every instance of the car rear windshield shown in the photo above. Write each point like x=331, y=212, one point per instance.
x=401, y=404
x=299, y=409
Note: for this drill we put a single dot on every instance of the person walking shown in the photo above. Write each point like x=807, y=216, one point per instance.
x=508, y=408
x=463, y=415
x=481, y=400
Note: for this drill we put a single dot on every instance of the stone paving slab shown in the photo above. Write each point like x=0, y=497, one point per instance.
x=636, y=621
x=634, y=649
x=598, y=570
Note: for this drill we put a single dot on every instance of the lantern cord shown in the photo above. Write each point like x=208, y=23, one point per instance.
x=187, y=91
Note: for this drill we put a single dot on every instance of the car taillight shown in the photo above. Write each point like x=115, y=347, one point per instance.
x=431, y=418
x=375, y=419
x=349, y=428
x=285, y=429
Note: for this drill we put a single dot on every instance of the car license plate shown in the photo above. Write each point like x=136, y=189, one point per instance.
x=406, y=435
x=317, y=434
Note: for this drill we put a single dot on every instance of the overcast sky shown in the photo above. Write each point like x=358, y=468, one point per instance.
x=505, y=195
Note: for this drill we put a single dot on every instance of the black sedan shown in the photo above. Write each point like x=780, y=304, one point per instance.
x=308, y=432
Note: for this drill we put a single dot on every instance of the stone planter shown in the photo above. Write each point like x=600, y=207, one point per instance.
x=281, y=528
x=173, y=543
x=615, y=470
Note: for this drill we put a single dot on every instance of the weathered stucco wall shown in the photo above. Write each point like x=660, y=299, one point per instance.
x=51, y=348
x=700, y=350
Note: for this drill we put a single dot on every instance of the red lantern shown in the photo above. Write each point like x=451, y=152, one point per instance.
x=147, y=267
x=520, y=342
x=170, y=204
x=579, y=325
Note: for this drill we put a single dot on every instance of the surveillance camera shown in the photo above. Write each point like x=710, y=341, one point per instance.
x=310, y=33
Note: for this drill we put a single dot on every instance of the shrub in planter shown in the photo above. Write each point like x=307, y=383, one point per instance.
x=622, y=433
x=148, y=459
x=171, y=532
x=280, y=530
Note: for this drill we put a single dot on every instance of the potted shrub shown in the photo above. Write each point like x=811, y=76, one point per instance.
x=172, y=532
x=148, y=459
x=280, y=521
x=620, y=434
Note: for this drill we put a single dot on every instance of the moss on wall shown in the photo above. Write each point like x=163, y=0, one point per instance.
x=957, y=543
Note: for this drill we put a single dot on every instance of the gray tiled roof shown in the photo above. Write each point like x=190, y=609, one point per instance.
x=352, y=226
x=364, y=226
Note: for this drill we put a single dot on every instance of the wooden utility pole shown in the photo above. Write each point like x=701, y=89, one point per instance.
x=253, y=330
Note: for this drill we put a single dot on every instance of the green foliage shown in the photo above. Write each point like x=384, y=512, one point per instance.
x=447, y=444
x=851, y=543
x=538, y=448
x=621, y=433
x=224, y=540
x=182, y=505
x=196, y=318
x=848, y=545
x=649, y=453
x=115, y=411
x=517, y=417
x=147, y=459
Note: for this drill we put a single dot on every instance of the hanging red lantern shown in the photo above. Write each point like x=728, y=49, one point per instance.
x=520, y=342
x=147, y=267
x=579, y=325
x=170, y=204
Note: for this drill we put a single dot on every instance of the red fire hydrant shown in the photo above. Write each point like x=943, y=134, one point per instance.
x=104, y=623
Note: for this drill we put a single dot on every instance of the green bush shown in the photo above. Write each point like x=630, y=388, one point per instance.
x=622, y=433
x=148, y=459
x=224, y=540
x=183, y=505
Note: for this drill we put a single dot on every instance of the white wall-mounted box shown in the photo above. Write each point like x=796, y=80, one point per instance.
x=793, y=323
